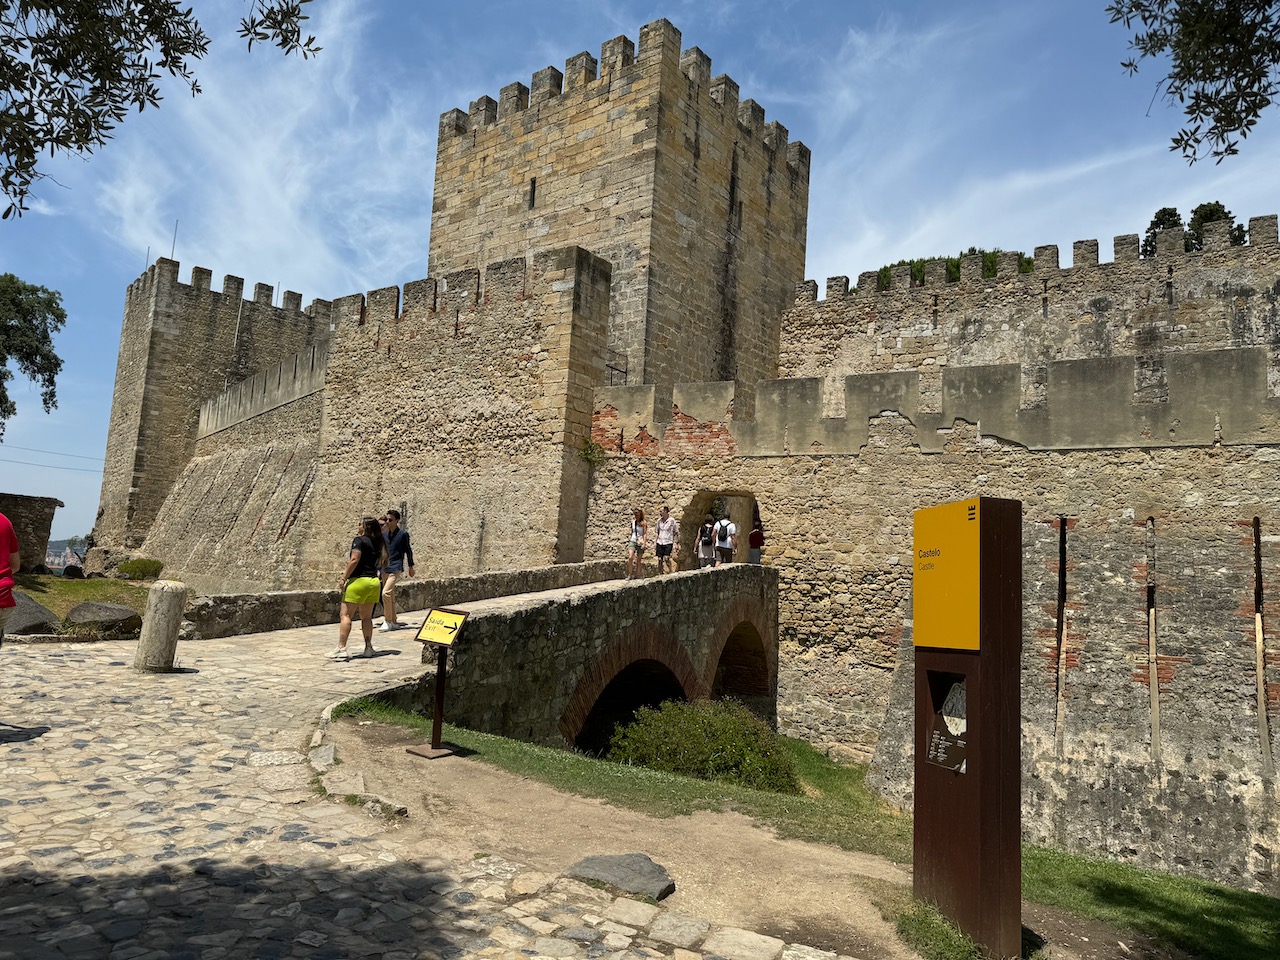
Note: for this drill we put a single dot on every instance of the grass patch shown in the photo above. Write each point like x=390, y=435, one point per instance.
x=60, y=595
x=1206, y=920
x=920, y=925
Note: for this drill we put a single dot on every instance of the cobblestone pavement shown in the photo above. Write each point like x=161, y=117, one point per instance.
x=164, y=817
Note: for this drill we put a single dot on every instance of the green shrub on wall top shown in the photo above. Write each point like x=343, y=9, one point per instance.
x=711, y=740
x=140, y=569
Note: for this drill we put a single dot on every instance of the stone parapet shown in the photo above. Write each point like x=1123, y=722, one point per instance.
x=32, y=518
x=228, y=615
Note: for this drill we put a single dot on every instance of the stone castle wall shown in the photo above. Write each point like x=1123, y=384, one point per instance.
x=647, y=161
x=1221, y=296
x=1097, y=777
x=180, y=345
x=465, y=413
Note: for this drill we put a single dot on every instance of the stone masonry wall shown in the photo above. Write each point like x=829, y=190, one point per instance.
x=231, y=614
x=238, y=516
x=652, y=165
x=465, y=407
x=32, y=518
x=839, y=532
x=1222, y=296
x=181, y=344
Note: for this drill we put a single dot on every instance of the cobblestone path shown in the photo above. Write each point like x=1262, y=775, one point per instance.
x=165, y=817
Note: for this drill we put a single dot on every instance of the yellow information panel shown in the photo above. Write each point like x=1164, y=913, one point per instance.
x=945, y=590
x=441, y=626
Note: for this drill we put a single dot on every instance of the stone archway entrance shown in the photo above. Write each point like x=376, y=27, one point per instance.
x=739, y=506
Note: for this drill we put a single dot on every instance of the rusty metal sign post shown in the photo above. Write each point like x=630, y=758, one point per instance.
x=967, y=611
x=441, y=628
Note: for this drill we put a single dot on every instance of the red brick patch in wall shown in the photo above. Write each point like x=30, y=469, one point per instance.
x=687, y=436
x=1166, y=669
x=644, y=444
x=605, y=430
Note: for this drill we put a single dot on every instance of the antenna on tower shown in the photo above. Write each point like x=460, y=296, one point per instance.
x=175, y=239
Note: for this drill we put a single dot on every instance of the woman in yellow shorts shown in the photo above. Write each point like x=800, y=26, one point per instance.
x=360, y=586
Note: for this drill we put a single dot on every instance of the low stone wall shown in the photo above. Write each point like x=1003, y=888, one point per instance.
x=231, y=614
x=32, y=517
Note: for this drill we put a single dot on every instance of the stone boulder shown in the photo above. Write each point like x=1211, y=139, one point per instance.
x=110, y=621
x=630, y=872
x=29, y=617
x=73, y=572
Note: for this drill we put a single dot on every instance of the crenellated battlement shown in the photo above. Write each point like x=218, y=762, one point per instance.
x=163, y=275
x=620, y=67
x=1213, y=397
x=1170, y=254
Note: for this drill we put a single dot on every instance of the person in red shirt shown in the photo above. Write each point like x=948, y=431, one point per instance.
x=10, y=562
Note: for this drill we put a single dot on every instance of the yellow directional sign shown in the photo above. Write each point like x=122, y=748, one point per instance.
x=945, y=563
x=441, y=626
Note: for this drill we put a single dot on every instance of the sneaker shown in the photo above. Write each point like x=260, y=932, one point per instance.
x=388, y=625
x=365, y=653
x=339, y=653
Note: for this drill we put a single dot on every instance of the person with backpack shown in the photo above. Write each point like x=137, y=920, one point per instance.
x=726, y=540
x=706, y=545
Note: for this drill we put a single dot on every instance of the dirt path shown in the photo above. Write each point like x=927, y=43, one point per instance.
x=726, y=869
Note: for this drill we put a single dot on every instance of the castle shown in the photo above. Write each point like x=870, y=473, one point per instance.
x=615, y=317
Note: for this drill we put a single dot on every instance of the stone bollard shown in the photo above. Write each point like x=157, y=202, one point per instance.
x=166, y=601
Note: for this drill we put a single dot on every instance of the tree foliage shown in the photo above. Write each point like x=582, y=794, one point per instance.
x=29, y=317
x=71, y=70
x=1168, y=218
x=990, y=263
x=1224, y=64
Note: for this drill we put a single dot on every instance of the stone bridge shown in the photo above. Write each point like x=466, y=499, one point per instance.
x=561, y=667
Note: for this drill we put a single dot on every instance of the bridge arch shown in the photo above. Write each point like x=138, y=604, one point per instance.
x=742, y=660
x=642, y=667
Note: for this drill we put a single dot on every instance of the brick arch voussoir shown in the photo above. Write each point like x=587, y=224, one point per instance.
x=641, y=641
x=750, y=610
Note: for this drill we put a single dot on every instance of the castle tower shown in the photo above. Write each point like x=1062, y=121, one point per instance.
x=180, y=345
x=646, y=160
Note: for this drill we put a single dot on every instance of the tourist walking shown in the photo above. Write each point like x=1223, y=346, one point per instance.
x=706, y=545
x=665, y=547
x=726, y=540
x=755, y=542
x=399, y=553
x=360, y=586
x=636, y=540
x=10, y=564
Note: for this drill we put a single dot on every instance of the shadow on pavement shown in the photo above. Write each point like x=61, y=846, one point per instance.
x=9, y=733
x=207, y=907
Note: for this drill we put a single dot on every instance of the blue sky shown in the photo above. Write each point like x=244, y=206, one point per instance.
x=933, y=127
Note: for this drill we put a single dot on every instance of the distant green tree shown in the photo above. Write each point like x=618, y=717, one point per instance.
x=29, y=317
x=990, y=262
x=1212, y=212
x=1223, y=61
x=71, y=70
x=1166, y=218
